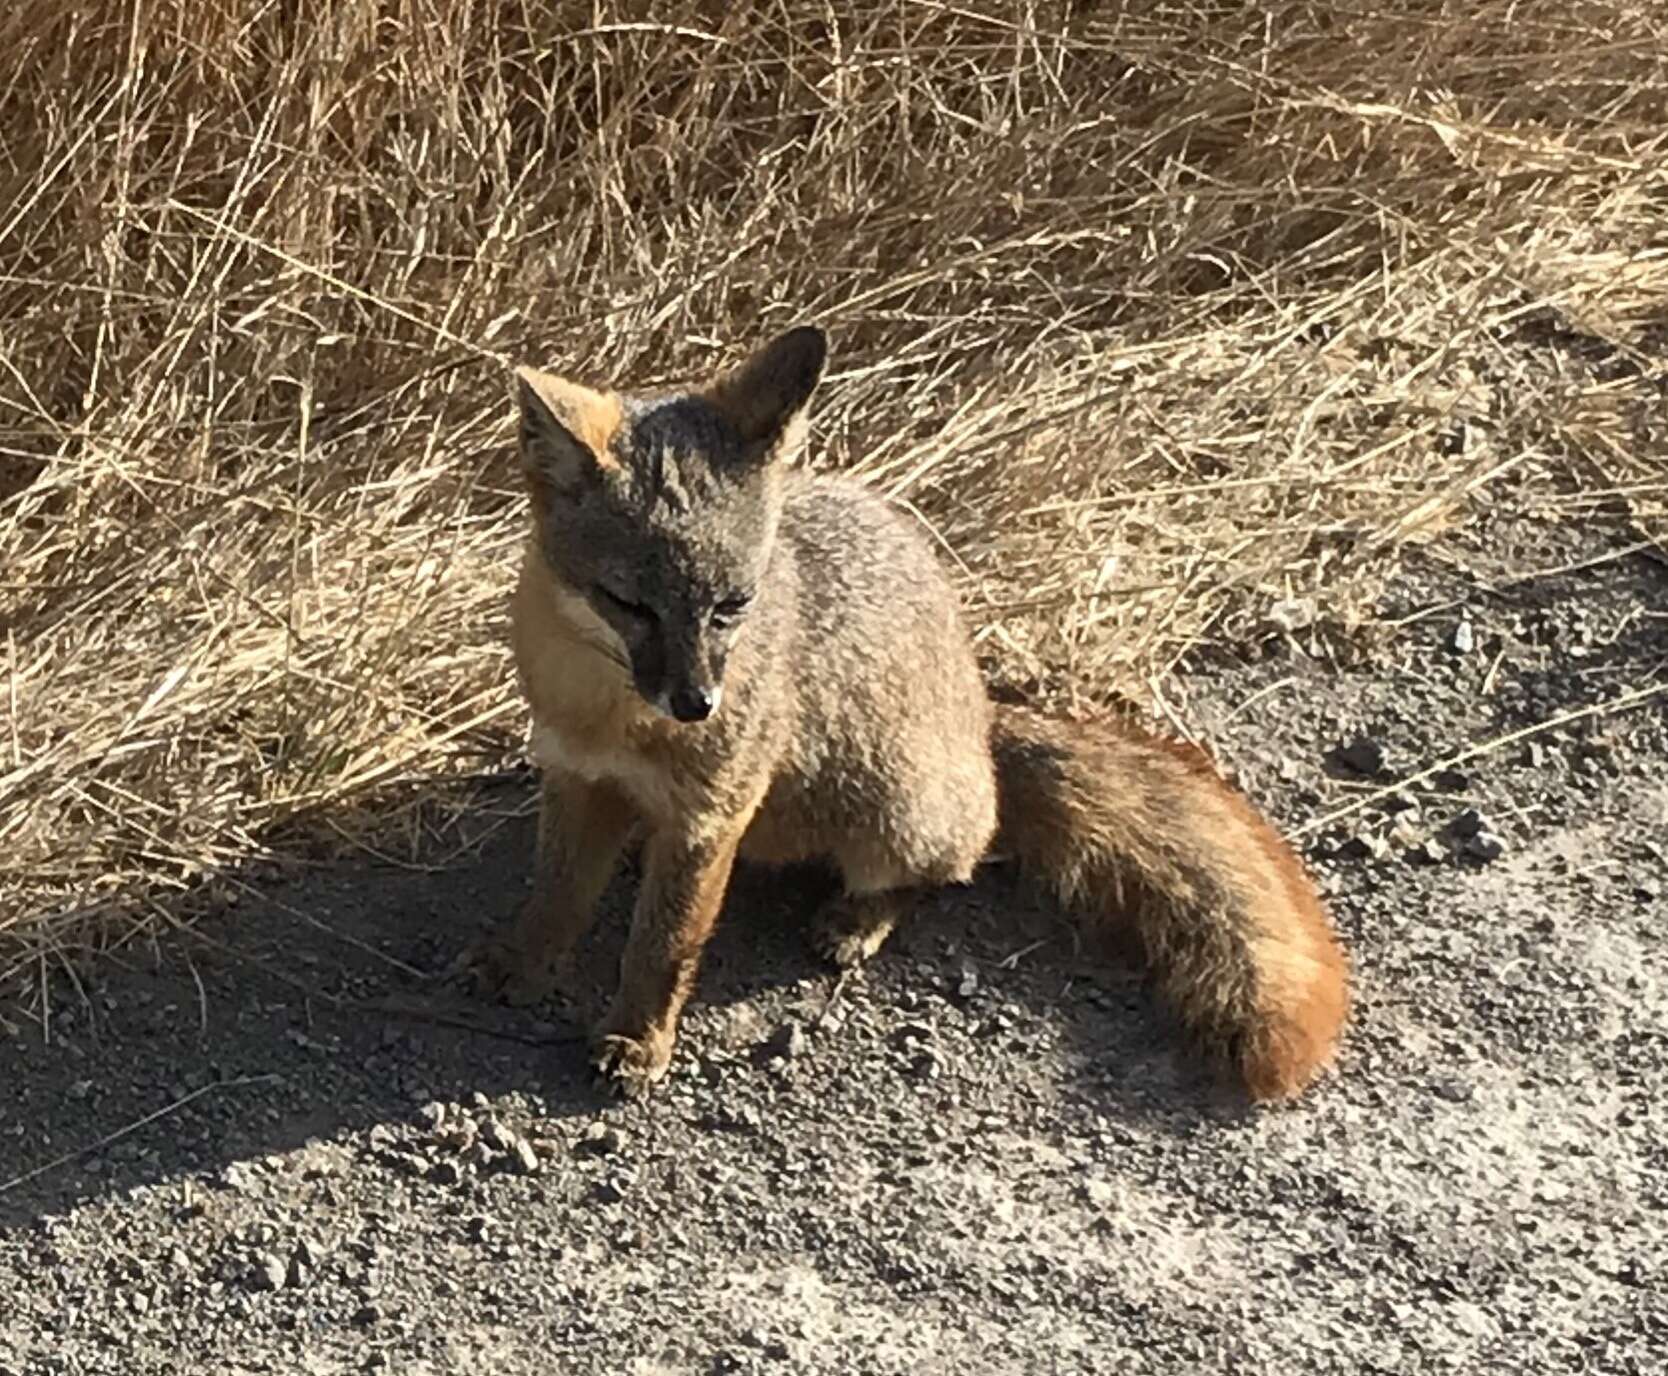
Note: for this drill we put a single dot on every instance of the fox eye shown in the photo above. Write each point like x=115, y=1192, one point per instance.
x=730, y=610
x=636, y=610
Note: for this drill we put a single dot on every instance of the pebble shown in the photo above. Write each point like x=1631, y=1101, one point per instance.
x=1099, y=1194
x=1365, y=846
x=1485, y=845
x=458, y=1136
x=526, y=1159
x=600, y=1140
x=1407, y=834
x=787, y=1041
x=1463, y=640
x=268, y=1272
x=1363, y=754
x=1466, y=823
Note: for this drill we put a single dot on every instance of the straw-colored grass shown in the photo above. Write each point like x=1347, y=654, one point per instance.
x=1159, y=314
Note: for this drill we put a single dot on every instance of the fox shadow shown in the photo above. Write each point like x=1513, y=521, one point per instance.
x=319, y=1005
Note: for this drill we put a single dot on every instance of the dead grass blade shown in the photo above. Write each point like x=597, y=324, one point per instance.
x=1153, y=315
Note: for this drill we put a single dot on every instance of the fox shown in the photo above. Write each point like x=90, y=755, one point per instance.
x=727, y=655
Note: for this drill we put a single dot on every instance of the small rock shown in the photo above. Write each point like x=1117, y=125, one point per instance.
x=458, y=1136
x=496, y=1135
x=268, y=1272
x=1407, y=834
x=600, y=1140
x=1099, y=1194
x=1365, y=846
x=237, y=1175
x=1364, y=755
x=525, y=1158
x=1463, y=640
x=1485, y=845
x=433, y=1114
x=787, y=1041
x=1466, y=824
x=968, y=984
x=1473, y=1320
x=1534, y=755
x=1428, y=852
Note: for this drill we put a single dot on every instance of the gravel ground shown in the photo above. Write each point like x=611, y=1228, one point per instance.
x=979, y=1156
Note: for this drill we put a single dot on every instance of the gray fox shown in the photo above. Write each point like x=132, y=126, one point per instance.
x=726, y=655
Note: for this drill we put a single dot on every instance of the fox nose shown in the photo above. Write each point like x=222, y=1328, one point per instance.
x=691, y=704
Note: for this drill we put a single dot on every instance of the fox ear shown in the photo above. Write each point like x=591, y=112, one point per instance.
x=565, y=429
x=764, y=397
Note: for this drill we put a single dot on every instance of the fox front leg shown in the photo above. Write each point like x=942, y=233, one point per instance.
x=583, y=827
x=684, y=880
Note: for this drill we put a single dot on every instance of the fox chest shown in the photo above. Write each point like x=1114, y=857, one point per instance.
x=602, y=758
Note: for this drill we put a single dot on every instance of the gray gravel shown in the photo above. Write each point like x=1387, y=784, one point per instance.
x=979, y=1156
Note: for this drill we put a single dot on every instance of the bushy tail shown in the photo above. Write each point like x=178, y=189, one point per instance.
x=1144, y=840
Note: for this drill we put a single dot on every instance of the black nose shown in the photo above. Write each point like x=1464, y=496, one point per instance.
x=694, y=704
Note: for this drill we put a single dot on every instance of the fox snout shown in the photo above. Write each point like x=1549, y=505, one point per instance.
x=683, y=681
x=691, y=703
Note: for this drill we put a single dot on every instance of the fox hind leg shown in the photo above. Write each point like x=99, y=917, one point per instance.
x=852, y=927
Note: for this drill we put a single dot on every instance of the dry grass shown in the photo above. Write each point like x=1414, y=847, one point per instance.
x=1157, y=313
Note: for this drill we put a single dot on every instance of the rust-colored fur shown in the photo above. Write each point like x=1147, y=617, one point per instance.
x=730, y=657
x=1142, y=837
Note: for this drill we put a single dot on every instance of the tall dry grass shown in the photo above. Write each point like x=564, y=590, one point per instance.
x=1158, y=313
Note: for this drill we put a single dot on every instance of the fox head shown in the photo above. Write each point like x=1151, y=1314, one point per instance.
x=660, y=513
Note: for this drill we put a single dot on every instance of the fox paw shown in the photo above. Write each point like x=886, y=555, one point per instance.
x=628, y=1065
x=849, y=933
x=499, y=968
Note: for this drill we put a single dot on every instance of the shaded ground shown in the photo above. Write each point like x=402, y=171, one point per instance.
x=979, y=1156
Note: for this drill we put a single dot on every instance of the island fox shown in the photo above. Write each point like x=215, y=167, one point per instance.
x=728, y=656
